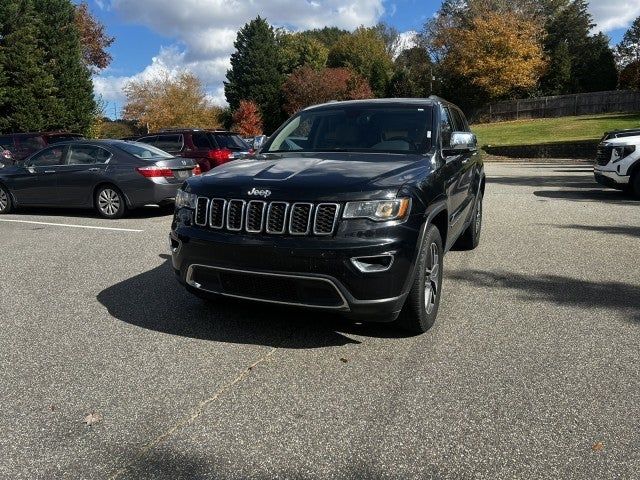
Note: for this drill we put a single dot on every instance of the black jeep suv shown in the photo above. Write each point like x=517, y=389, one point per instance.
x=349, y=206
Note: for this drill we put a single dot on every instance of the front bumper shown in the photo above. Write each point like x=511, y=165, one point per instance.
x=313, y=272
x=610, y=178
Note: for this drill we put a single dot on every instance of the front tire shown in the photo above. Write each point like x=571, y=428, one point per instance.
x=110, y=202
x=421, y=307
x=6, y=203
x=635, y=183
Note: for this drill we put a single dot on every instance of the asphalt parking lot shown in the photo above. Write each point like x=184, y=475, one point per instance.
x=532, y=370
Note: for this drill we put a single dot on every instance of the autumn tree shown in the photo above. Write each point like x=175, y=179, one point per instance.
x=308, y=86
x=94, y=38
x=628, y=57
x=364, y=52
x=247, y=119
x=166, y=101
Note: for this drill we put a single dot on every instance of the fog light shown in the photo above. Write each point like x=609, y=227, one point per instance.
x=374, y=264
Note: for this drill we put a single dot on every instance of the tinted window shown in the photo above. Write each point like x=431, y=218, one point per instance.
x=63, y=138
x=169, y=143
x=231, y=142
x=144, y=152
x=357, y=128
x=48, y=158
x=150, y=140
x=446, y=126
x=6, y=142
x=87, y=154
x=460, y=122
x=30, y=143
x=201, y=141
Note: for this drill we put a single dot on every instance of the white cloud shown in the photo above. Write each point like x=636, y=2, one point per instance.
x=613, y=14
x=206, y=30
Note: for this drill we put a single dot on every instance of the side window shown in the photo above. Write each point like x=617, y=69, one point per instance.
x=460, y=122
x=48, y=158
x=148, y=140
x=169, y=143
x=201, y=141
x=87, y=155
x=446, y=126
x=6, y=142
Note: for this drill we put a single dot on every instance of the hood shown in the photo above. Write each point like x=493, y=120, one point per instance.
x=622, y=141
x=312, y=177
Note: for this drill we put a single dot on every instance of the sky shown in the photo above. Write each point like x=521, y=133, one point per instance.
x=153, y=36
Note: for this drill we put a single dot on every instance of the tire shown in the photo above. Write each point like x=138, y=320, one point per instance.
x=470, y=238
x=110, y=202
x=421, y=307
x=635, y=183
x=6, y=203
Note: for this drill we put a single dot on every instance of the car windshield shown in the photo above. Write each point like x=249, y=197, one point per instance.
x=356, y=128
x=144, y=151
x=231, y=141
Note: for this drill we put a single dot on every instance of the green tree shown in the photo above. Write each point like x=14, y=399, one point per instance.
x=557, y=81
x=298, y=50
x=364, y=52
x=27, y=86
x=419, y=69
x=328, y=36
x=255, y=72
x=65, y=62
x=628, y=56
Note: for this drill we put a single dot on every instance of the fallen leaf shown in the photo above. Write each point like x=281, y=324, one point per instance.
x=52, y=408
x=598, y=447
x=344, y=360
x=92, y=418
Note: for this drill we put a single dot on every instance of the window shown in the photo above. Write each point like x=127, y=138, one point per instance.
x=143, y=151
x=201, y=141
x=357, y=128
x=63, y=137
x=169, y=143
x=87, y=155
x=6, y=143
x=230, y=141
x=459, y=120
x=446, y=126
x=48, y=158
x=30, y=144
x=150, y=140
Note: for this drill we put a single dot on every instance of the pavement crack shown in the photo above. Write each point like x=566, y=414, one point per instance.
x=194, y=414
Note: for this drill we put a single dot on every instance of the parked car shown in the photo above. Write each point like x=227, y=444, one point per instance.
x=618, y=161
x=111, y=176
x=208, y=148
x=350, y=207
x=256, y=142
x=21, y=145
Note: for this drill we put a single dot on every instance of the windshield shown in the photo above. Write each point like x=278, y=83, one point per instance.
x=144, y=151
x=231, y=142
x=356, y=128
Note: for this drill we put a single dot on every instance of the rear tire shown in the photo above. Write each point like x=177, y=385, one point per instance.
x=470, y=238
x=634, y=183
x=110, y=202
x=421, y=307
x=6, y=203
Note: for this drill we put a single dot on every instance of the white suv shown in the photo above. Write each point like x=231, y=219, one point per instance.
x=618, y=161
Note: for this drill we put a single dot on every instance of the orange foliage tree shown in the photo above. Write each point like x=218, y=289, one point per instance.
x=247, y=119
x=308, y=86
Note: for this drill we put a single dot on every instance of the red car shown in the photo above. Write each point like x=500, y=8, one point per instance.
x=208, y=148
x=18, y=146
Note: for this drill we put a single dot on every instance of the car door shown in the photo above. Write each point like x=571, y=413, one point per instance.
x=468, y=166
x=38, y=184
x=85, y=166
x=452, y=169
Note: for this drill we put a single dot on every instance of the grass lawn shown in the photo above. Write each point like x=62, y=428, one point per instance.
x=548, y=130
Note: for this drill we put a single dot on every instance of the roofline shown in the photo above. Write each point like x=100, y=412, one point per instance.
x=427, y=101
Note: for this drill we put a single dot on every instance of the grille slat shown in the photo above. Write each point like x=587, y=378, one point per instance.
x=325, y=218
x=604, y=155
x=201, y=211
x=273, y=218
x=216, y=213
x=277, y=217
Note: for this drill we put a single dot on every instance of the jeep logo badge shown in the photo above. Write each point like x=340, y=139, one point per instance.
x=259, y=193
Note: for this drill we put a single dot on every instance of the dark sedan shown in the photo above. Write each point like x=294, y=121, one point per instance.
x=111, y=176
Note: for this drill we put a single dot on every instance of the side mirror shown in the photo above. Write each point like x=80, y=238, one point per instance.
x=461, y=142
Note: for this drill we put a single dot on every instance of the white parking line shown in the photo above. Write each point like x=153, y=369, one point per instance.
x=72, y=226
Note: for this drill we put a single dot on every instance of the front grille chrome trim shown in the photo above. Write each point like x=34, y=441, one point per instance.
x=335, y=219
x=222, y=215
x=343, y=307
x=264, y=211
x=309, y=218
x=244, y=204
x=206, y=212
x=284, y=215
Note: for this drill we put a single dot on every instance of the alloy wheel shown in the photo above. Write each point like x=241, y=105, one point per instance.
x=431, y=279
x=4, y=200
x=109, y=202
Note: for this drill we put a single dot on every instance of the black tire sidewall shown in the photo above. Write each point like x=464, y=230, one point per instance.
x=9, y=206
x=121, y=210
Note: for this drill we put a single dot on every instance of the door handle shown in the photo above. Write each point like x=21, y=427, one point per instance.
x=93, y=170
x=49, y=171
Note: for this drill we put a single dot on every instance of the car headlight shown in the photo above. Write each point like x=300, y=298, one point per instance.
x=379, y=210
x=622, y=152
x=186, y=200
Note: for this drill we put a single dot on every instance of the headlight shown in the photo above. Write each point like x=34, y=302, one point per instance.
x=379, y=210
x=186, y=200
x=622, y=152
